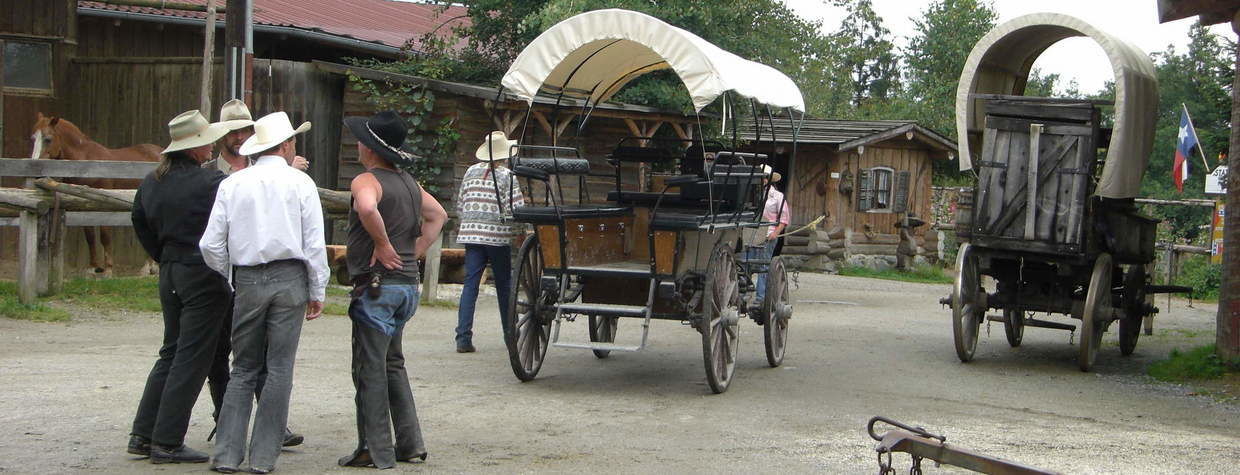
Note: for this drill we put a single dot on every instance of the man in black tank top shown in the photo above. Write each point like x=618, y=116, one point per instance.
x=392, y=222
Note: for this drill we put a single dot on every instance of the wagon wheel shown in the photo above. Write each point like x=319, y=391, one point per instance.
x=1014, y=325
x=720, y=318
x=1097, y=312
x=1134, y=308
x=777, y=306
x=603, y=330
x=968, y=305
x=527, y=330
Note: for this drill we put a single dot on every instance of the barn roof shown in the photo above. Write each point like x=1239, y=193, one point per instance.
x=847, y=134
x=383, y=25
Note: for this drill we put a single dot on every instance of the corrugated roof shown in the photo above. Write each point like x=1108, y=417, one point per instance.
x=387, y=22
x=844, y=134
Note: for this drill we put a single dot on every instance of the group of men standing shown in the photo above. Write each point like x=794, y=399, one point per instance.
x=240, y=243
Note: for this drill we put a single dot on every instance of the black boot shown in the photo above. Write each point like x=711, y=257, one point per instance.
x=139, y=445
x=292, y=438
x=182, y=454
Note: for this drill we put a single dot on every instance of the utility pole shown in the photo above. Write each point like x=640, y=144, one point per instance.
x=239, y=49
x=208, y=61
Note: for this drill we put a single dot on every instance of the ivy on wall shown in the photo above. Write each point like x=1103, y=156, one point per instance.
x=434, y=141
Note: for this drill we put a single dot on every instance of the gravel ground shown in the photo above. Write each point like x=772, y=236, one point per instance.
x=858, y=348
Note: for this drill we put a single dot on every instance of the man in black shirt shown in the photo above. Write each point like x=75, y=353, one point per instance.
x=170, y=213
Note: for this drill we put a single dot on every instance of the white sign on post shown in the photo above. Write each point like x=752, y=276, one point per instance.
x=1216, y=181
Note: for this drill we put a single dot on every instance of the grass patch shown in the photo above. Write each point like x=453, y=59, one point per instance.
x=11, y=308
x=1205, y=278
x=922, y=274
x=1201, y=363
x=139, y=294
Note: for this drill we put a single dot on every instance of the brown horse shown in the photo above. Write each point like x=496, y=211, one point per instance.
x=58, y=139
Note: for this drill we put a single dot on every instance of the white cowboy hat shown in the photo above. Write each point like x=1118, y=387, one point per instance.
x=775, y=176
x=495, y=146
x=269, y=131
x=190, y=129
x=235, y=115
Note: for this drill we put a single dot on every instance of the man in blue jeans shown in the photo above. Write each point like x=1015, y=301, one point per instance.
x=488, y=192
x=391, y=223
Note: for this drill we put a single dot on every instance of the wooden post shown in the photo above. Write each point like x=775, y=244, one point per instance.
x=56, y=251
x=1227, y=334
x=208, y=60
x=430, y=275
x=27, y=257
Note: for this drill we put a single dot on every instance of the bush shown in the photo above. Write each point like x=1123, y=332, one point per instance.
x=1205, y=278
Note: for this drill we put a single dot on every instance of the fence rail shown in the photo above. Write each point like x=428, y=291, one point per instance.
x=46, y=207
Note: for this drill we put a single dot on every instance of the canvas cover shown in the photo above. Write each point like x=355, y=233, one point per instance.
x=1000, y=64
x=594, y=54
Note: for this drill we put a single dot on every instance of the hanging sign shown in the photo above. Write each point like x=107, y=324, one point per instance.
x=1216, y=181
x=1216, y=234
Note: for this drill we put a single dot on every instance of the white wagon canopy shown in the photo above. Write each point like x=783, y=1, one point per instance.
x=1000, y=64
x=593, y=55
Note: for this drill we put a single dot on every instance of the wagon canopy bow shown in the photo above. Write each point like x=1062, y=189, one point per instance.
x=594, y=54
x=1000, y=64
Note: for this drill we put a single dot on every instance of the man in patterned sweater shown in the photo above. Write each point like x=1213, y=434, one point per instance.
x=486, y=229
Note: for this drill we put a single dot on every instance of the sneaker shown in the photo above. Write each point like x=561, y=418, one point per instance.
x=182, y=454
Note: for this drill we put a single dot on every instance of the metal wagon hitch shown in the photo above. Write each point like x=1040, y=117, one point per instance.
x=921, y=444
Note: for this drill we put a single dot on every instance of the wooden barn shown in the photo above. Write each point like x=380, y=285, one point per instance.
x=864, y=178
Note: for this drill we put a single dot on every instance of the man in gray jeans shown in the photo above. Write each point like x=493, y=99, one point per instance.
x=267, y=227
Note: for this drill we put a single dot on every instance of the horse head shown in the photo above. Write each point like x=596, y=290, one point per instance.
x=44, y=138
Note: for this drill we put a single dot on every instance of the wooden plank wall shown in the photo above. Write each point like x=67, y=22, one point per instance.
x=53, y=21
x=104, y=37
x=123, y=101
x=813, y=165
x=914, y=160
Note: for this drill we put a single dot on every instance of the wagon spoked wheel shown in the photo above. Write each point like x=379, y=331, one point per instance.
x=1014, y=325
x=1134, y=309
x=719, y=322
x=777, y=305
x=1097, y=312
x=527, y=328
x=603, y=330
x=968, y=306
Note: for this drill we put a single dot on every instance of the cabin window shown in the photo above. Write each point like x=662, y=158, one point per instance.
x=875, y=186
x=27, y=67
x=882, y=190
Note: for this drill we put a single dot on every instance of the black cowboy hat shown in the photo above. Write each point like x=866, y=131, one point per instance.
x=384, y=133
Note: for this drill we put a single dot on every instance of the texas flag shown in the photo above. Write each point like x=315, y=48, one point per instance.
x=1183, y=149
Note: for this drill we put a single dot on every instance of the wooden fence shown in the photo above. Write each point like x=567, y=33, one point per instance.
x=46, y=207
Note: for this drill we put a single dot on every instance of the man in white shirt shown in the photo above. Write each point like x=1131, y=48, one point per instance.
x=266, y=229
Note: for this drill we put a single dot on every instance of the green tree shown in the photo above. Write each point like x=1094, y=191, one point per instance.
x=867, y=53
x=1200, y=79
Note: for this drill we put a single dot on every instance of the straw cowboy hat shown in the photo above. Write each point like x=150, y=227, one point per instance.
x=235, y=115
x=384, y=133
x=495, y=146
x=190, y=129
x=775, y=176
x=269, y=131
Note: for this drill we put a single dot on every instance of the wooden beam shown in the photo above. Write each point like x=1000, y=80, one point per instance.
x=542, y=120
x=680, y=131
x=563, y=124
x=98, y=218
x=81, y=191
x=25, y=167
x=637, y=132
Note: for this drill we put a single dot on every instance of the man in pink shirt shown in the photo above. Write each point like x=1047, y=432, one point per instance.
x=775, y=211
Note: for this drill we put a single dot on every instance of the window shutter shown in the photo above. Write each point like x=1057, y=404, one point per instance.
x=899, y=202
x=865, y=190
